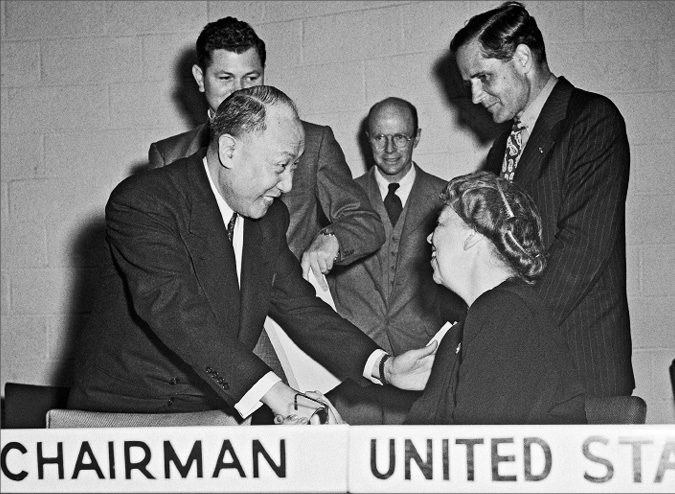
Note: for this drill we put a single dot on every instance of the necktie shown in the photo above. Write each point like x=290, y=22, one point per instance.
x=392, y=203
x=230, y=226
x=514, y=147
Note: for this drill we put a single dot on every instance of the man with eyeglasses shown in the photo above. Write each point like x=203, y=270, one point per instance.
x=391, y=294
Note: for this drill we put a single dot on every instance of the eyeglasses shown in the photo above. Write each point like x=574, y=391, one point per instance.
x=321, y=412
x=400, y=141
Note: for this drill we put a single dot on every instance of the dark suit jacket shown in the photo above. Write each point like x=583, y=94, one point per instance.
x=406, y=314
x=172, y=331
x=323, y=192
x=513, y=367
x=575, y=165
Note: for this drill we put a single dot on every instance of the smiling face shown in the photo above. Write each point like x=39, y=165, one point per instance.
x=228, y=72
x=389, y=120
x=500, y=86
x=259, y=166
x=448, y=252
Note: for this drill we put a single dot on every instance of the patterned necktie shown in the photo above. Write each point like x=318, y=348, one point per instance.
x=392, y=203
x=514, y=147
x=230, y=226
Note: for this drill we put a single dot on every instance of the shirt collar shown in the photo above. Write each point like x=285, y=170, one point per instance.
x=225, y=210
x=531, y=113
x=405, y=183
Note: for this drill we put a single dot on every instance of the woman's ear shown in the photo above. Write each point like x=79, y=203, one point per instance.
x=472, y=239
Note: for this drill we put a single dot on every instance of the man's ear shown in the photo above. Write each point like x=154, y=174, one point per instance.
x=472, y=239
x=416, y=139
x=523, y=58
x=227, y=148
x=198, y=74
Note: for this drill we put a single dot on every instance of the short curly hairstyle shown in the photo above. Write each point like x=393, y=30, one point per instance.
x=228, y=34
x=505, y=214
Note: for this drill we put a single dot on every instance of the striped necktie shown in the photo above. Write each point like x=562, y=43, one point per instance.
x=230, y=226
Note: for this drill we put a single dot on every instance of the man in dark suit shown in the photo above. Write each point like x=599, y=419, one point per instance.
x=184, y=297
x=331, y=219
x=391, y=294
x=568, y=148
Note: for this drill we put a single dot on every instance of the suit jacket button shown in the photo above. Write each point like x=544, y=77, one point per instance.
x=173, y=381
x=225, y=386
x=209, y=370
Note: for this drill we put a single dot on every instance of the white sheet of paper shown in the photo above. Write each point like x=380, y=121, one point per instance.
x=441, y=332
x=303, y=372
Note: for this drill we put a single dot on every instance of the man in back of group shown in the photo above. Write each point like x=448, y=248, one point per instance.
x=391, y=294
x=183, y=297
x=331, y=219
x=568, y=148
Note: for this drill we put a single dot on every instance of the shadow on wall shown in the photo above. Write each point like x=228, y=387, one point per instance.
x=186, y=96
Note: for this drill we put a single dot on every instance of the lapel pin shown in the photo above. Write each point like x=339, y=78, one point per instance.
x=541, y=151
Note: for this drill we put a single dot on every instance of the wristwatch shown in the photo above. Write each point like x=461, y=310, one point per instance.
x=329, y=232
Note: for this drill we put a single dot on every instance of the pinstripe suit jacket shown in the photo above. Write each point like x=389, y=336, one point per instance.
x=323, y=192
x=576, y=165
x=400, y=310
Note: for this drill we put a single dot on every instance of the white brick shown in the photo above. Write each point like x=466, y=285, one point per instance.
x=327, y=7
x=628, y=20
x=283, y=43
x=353, y=36
x=651, y=321
x=78, y=241
x=558, y=21
x=91, y=60
x=104, y=153
x=169, y=57
x=643, y=369
x=45, y=201
x=661, y=412
x=646, y=122
x=22, y=156
x=54, y=19
x=4, y=203
x=29, y=369
x=24, y=335
x=652, y=170
x=20, y=63
x=51, y=109
x=431, y=25
x=658, y=270
x=647, y=217
x=283, y=10
x=663, y=359
x=148, y=104
x=5, y=301
x=633, y=270
x=134, y=18
x=62, y=331
x=308, y=86
x=601, y=67
x=23, y=246
x=49, y=291
x=666, y=63
x=251, y=11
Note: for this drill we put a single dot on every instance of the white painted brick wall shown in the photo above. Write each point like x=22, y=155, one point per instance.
x=87, y=86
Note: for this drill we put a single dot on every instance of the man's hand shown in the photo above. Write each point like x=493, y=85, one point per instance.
x=411, y=369
x=319, y=258
x=281, y=400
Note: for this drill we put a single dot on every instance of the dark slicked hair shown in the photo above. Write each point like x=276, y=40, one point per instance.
x=245, y=111
x=228, y=34
x=500, y=31
x=398, y=102
x=505, y=214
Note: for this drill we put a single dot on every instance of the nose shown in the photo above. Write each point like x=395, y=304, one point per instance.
x=389, y=144
x=430, y=238
x=238, y=84
x=286, y=182
x=476, y=93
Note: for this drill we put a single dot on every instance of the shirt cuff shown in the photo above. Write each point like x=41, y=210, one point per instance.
x=369, y=372
x=250, y=402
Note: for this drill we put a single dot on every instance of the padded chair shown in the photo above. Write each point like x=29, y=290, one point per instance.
x=26, y=405
x=616, y=410
x=65, y=419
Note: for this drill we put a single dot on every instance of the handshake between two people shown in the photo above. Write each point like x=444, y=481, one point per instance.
x=409, y=371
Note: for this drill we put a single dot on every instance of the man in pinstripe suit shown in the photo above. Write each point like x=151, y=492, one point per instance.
x=568, y=148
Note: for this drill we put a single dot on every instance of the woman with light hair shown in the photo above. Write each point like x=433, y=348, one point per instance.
x=507, y=363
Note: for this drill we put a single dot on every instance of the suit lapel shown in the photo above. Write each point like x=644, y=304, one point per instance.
x=544, y=133
x=418, y=204
x=210, y=249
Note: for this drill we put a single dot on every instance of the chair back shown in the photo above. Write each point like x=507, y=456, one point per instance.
x=616, y=410
x=26, y=404
x=69, y=419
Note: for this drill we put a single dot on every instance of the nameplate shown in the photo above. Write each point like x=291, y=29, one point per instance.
x=176, y=459
x=614, y=458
